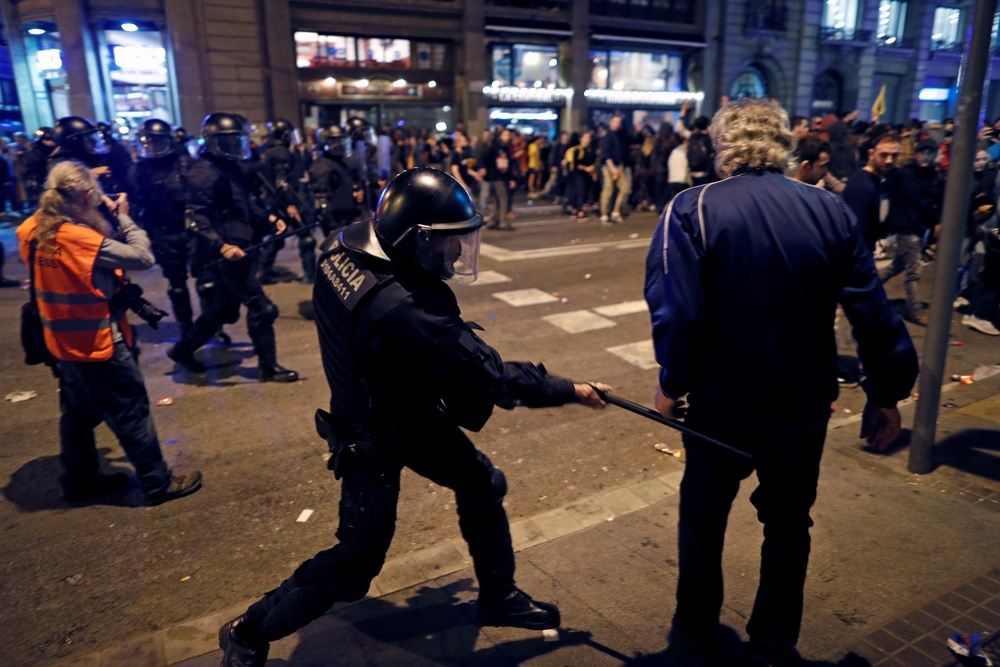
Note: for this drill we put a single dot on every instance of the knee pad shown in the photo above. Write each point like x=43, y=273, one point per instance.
x=268, y=313
x=296, y=610
x=498, y=485
x=205, y=290
x=307, y=243
x=230, y=313
x=178, y=293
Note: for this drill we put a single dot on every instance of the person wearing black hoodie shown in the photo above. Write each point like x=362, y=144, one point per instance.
x=915, y=193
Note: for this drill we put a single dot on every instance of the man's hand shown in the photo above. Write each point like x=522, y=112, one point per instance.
x=100, y=171
x=232, y=253
x=111, y=204
x=359, y=196
x=615, y=173
x=880, y=426
x=280, y=227
x=513, y=185
x=293, y=212
x=666, y=405
x=586, y=394
x=121, y=204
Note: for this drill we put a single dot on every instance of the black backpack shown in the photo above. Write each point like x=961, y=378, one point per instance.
x=698, y=160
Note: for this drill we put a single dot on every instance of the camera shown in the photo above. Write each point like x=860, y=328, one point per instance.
x=129, y=297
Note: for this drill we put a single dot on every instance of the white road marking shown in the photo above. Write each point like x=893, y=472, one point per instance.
x=525, y=297
x=624, y=308
x=304, y=516
x=490, y=278
x=639, y=354
x=579, y=321
x=503, y=255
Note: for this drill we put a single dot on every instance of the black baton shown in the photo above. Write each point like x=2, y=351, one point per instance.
x=273, y=239
x=650, y=413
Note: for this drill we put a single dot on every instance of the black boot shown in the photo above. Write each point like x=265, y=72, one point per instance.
x=275, y=373
x=518, y=610
x=183, y=355
x=93, y=486
x=238, y=651
x=180, y=486
x=180, y=301
x=222, y=338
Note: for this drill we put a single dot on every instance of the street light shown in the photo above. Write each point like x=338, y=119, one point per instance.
x=129, y=27
x=36, y=31
x=432, y=84
x=362, y=83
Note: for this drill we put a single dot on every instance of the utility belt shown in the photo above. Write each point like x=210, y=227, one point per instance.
x=345, y=440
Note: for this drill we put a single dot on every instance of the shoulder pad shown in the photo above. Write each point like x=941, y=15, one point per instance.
x=350, y=279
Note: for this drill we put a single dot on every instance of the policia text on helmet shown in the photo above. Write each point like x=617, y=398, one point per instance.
x=426, y=217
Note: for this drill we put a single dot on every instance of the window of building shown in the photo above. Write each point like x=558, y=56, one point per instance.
x=48, y=78
x=136, y=65
x=525, y=65
x=636, y=70
x=995, y=34
x=945, y=32
x=671, y=11
x=378, y=52
x=891, y=22
x=751, y=82
x=429, y=55
x=316, y=50
x=840, y=18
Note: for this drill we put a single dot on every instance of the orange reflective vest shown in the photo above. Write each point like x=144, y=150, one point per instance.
x=76, y=315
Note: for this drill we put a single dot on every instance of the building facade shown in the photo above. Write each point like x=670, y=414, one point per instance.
x=539, y=65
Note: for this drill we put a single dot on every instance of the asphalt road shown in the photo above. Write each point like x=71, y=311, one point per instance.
x=76, y=578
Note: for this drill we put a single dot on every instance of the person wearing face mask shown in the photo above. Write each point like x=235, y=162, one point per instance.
x=79, y=286
x=915, y=192
x=387, y=319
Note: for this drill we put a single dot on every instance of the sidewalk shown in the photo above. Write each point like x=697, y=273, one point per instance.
x=899, y=562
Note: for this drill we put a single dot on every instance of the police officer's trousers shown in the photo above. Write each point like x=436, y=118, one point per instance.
x=172, y=253
x=233, y=284
x=437, y=450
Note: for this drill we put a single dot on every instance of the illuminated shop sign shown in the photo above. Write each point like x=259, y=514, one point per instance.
x=142, y=58
x=514, y=94
x=640, y=97
x=934, y=94
x=50, y=59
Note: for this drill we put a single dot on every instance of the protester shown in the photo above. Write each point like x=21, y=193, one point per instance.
x=678, y=169
x=915, y=192
x=718, y=264
x=581, y=160
x=498, y=171
x=864, y=193
x=812, y=160
x=701, y=153
x=77, y=270
x=614, y=173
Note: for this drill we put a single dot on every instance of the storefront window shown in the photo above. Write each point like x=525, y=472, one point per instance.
x=430, y=56
x=536, y=66
x=138, y=77
x=48, y=78
x=315, y=50
x=378, y=52
x=636, y=70
x=501, y=66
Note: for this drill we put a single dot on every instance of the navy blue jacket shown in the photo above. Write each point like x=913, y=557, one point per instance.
x=743, y=294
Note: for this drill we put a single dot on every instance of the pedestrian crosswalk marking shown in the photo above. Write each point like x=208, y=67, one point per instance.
x=639, y=354
x=624, y=308
x=499, y=254
x=525, y=297
x=490, y=278
x=578, y=321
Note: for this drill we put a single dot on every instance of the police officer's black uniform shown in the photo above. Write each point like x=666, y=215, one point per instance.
x=156, y=184
x=222, y=213
x=79, y=140
x=332, y=182
x=278, y=182
x=387, y=322
x=35, y=165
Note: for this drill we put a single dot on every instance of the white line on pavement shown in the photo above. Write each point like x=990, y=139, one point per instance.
x=503, y=255
x=639, y=354
x=578, y=321
x=624, y=308
x=490, y=278
x=525, y=297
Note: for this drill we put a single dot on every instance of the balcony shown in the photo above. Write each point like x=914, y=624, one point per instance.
x=766, y=16
x=666, y=11
x=859, y=38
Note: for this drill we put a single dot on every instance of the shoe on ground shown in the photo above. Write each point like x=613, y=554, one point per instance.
x=276, y=373
x=966, y=649
x=980, y=325
x=180, y=486
x=495, y=225
x=518, y=610
x=185, y=358
x=960, y=302
x=237, y=651
x=7, y=282
x=222, y=338
x=94, y=486
x=920, y=318
x=605, y=220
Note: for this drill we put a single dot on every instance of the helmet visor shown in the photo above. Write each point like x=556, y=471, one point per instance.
x=154, y=146
x=450, y=255
x=337, y=147
x=94, y=143
x=230, y=146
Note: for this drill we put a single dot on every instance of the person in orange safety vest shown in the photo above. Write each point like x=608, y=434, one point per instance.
x=78, y=268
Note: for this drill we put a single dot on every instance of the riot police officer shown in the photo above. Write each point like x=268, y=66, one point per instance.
x=80, y=140
x=222, y=213
x=183, y=141
x=278, y=183
x=35, y=164
x=363, y=162
x=157, y=185
x=336, y=194
x=118, y=158
x=388, y=321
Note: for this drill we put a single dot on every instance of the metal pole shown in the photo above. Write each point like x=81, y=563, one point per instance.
x=954, y=214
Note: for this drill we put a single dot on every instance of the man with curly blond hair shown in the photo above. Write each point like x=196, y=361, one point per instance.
x=743, y=279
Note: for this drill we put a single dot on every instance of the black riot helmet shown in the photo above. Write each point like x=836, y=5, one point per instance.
x=425, y=216
x=106, y=132
x=283, y=131
x=334, y=141
x=226, y=136
x=44, y=134
x=74, y=134
x=181, y=136
x=156, y=139
x=361, y=130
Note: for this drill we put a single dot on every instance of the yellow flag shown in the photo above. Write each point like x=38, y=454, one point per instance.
x=879, y=107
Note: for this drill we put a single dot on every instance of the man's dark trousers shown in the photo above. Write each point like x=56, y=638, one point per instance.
x=788, y=472
x=112, y=392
